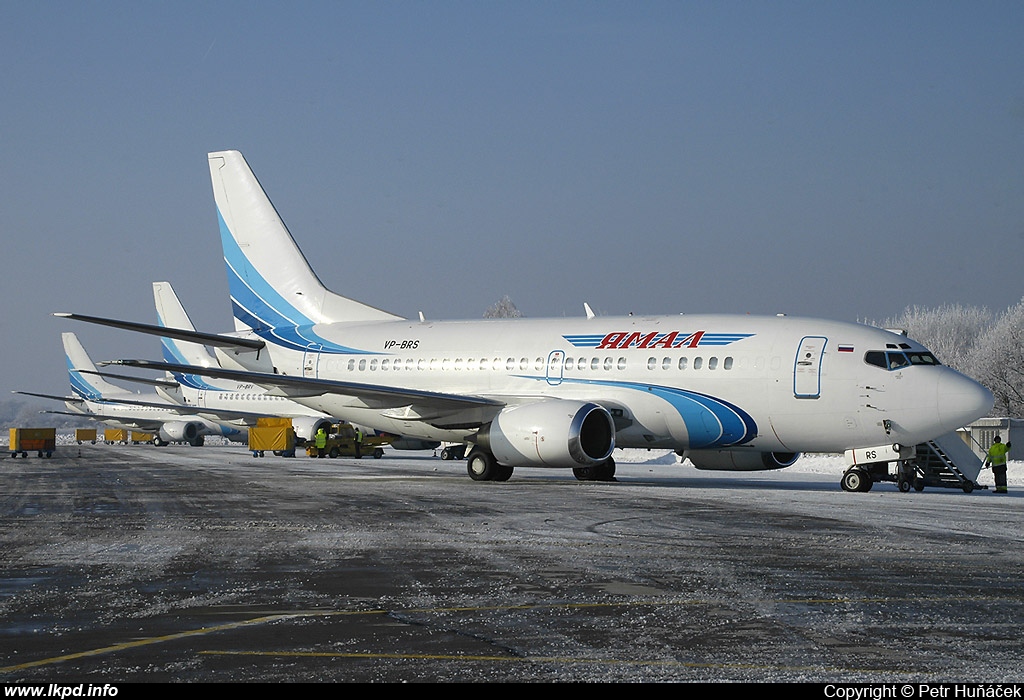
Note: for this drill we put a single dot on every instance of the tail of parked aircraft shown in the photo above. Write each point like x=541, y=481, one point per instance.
x=171, y=314
x=270, y=281
x=89, y=386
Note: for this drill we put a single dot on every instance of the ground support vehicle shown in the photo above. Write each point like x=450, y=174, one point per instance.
x=342, y=443
x=272, y=434
x=85, y=435
x=42, y=440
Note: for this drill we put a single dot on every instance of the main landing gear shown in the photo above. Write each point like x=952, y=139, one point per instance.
x=482, y=466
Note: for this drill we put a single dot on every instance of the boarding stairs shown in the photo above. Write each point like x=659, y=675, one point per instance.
x=948, y=462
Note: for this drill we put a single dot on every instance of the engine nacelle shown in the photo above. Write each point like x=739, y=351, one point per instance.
x=552, y=433
x=181, y=431
x=305, y=428
x=740, y=460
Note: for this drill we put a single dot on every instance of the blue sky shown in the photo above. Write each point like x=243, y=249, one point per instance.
x=843, y=160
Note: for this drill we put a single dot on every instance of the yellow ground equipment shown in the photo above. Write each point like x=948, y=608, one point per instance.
x=42, y=440
x=112, y=436
x=273, y=434
x=85, y=435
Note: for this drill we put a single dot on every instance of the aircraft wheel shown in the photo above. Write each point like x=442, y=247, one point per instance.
x=584, y=473
x=606, y=470
x=446, y=454
x=481, y=466
x=856, y=480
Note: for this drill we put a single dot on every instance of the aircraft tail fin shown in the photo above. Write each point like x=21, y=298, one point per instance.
x=88, y=386
x=171, y=314
x=270, y=281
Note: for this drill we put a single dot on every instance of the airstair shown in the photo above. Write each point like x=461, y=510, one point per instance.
x=946, y=462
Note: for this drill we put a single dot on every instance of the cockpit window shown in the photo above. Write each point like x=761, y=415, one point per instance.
x=892, y=360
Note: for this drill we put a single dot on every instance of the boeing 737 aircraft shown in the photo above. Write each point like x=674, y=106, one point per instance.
x=729, y=392
x=97, y=399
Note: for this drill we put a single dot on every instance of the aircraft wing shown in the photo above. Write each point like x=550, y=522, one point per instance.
x=416, y=405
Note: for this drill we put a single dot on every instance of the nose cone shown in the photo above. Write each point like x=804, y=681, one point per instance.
x=961, y=400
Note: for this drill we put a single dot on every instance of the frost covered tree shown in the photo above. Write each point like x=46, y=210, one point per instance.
x=998, y=361
x=504, y=308
x=951, y=331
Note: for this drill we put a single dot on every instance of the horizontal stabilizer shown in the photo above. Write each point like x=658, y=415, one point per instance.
x=166, y=383
x=71, y=399
x=214, y=339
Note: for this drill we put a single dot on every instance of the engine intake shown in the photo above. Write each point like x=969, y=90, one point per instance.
x=552, y=433
x=180, y=431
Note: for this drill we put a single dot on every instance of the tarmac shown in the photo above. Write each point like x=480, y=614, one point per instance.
x=141, y=564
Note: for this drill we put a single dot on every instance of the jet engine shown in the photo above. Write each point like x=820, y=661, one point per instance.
x=740, y=460
x=181, y=431
x=552, y=433
x=305, y=428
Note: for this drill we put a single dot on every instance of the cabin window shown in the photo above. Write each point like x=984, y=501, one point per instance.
x=622, y=363
x=652, y=362
x=568, y=363
x=682, y=362
x=362, y=365
x=712, y=363
x=384, y=364
x=698, y=362
x=595, y=364
x=727, y=364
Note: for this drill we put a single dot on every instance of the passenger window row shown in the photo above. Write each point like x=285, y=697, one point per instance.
x=538, y=364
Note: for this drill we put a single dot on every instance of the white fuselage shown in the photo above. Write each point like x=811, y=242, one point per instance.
x=678, y=382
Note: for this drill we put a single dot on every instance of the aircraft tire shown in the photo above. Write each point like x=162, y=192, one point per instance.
x=481, y=466
x=856, y=480
x=605, y=471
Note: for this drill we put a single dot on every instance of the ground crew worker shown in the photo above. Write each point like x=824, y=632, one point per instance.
x=359, y=443
x=996, y=458
x=321, y=442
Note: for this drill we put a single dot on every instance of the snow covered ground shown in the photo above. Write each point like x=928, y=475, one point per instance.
x=821, y=464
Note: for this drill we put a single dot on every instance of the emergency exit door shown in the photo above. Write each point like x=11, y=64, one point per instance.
x=807, y=367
